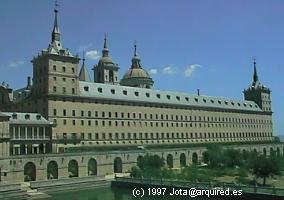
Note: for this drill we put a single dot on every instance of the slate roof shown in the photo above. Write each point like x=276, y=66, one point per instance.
x=124, y=93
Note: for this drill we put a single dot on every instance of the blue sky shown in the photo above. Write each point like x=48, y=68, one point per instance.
x=186, y=44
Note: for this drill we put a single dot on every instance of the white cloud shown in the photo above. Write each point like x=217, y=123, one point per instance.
x=92, y=55
x=168, y=70
x=85, y=47
x=16, y=63
x=153, y=71
x=191, y=69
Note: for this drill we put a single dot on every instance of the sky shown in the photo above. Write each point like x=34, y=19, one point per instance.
x=184, y=44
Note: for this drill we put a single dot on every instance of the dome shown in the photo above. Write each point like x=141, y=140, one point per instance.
x=136, y=73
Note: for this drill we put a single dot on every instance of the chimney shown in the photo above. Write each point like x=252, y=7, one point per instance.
x=29, y=82
x=198, y=92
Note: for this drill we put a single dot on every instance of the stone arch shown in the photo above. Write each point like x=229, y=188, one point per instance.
x=73, y=168
x=29, y=172
x=139, y=160
x=170, y=161
x=205, y=157
x=272, y=153
x=182, y=160
x=278, y=152
x=264, y=152
x=117, y=165
x=194, y=158
x=52, y=170
x=92, y=167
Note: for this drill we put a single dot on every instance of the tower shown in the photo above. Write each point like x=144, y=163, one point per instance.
x=55, y=69
x=258, y=93
x=106, y=71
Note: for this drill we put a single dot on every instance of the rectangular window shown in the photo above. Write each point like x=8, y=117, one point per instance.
x=64, y=112
x=54, y=88
x=73, y=113
x=54, y=112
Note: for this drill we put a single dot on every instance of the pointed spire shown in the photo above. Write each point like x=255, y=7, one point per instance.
x=84, y=73
x=135, y=49
x=135, y=59
x=255, y=76
x=105, y=50
x=56, y=30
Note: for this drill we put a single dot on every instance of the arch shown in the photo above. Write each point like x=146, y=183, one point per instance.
x=182, y=160
x=52, y=170
x=73, y=168
x=29, y=172
x=92, y=167
x=278, y=152
x=205, y=157
x=117, y=165
x=264, y=152
x=170, y=161
x=140, y=161
x=272, y=153
x=111, y=78
x=194, y=158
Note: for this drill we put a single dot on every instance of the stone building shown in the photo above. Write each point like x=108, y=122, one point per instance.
x=129, y=112
x=24, y=134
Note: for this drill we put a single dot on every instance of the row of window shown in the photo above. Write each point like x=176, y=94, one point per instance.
x=158, y=124
x=110, y=136
x=122, y=115
x=64, y=90
x=63, y=69
x=178, y=98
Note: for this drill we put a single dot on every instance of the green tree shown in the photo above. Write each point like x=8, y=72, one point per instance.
x=265, y=167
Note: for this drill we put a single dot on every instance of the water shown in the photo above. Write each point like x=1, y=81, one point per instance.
x=108, y=193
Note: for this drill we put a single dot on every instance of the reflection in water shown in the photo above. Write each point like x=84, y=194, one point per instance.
x=107, y=193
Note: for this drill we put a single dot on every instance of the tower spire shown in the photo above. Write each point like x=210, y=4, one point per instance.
x=56, y=31
x=105, y=50
x=135, y=59
x=135, y=48
x=255, y=76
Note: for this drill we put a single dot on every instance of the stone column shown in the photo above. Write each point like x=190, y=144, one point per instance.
x=26, y=148
x=26, y=133
x=14, y=133
x=44, y=132
x=33, y=132
x=44, y=148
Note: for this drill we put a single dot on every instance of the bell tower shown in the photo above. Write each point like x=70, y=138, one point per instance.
x=258, y=93
x=106, y=71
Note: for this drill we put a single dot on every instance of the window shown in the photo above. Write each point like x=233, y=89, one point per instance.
x=73, y=70
x=136, y=94
x=54, y=112
x=86, y=88
x=186, y=98
x=147, y=94
x=54, y=67
x=124, y=92
x=89, y=113
x=168, y=96
x=82, y=113
x=73, y=113
x=100, y=90
x=73, y=90
x=158, y=96
x=64, y=112
x=54, y=78
x=54, y=88
x=64, y=89
x=64, y=69
x=112, y=91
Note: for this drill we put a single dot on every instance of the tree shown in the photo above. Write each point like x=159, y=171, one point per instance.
x=265, y=167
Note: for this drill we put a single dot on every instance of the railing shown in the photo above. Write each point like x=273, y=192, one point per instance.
x=204, y=185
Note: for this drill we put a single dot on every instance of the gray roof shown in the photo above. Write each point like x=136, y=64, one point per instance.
x=84, y=74
x=124, y=93
x=26, y=118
